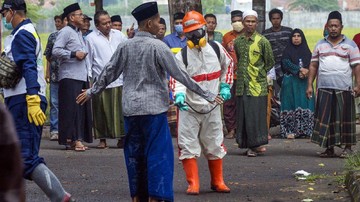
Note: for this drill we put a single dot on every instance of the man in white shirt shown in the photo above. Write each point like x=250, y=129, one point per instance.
x=107, y=111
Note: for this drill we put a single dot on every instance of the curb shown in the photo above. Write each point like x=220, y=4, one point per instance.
x=352, y=183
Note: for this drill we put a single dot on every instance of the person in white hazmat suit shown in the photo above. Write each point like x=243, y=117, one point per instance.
x=199, y=122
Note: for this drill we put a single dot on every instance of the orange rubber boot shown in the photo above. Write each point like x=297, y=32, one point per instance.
x=192, y=176
x=217, y=180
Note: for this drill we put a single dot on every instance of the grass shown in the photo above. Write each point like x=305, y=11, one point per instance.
x=314, y=35
x=352, y=162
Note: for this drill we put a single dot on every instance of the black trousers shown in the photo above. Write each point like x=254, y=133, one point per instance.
x=75, y=121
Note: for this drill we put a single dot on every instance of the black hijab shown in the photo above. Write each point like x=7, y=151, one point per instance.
x=295, y=52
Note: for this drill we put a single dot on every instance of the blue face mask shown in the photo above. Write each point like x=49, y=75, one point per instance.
x=179, y=29
x=8, y=26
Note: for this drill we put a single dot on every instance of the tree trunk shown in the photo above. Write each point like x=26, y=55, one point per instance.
x=98, y=5
x=182, y=6
x=259, y=6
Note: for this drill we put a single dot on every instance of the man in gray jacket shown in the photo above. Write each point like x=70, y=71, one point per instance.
x=148, y=148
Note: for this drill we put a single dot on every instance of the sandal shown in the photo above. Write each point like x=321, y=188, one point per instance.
x=102, y=145
x=328, y=153
x=290, y=136
x=251, y=153
x=260, y=150
x=79, y=147
x=346, y=152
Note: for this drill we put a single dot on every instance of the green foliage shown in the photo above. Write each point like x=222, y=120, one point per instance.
x=213, y=6
x=352, y=162
x=33, y=12
x=314, y=177
x=314, y=5
x=314, y=35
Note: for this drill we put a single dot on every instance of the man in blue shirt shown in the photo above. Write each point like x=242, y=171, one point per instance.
x=177, y=39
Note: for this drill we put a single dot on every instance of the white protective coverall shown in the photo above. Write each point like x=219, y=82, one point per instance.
x=203, y=132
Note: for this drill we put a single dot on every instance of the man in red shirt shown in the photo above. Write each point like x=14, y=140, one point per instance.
x=228, y=43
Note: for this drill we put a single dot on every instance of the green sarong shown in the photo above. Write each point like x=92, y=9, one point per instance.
x=107, y=113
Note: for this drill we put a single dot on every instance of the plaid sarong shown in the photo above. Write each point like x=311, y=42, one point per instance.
x=334, y=118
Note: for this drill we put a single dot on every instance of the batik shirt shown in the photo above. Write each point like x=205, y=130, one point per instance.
x=54, y=64
x=255, y=59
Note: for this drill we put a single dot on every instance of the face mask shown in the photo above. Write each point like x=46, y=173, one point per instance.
x=178, y=29
x=7, y=25
x=237, y=26
x=196, y=38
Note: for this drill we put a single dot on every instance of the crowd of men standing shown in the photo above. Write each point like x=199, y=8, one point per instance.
x=132, y=80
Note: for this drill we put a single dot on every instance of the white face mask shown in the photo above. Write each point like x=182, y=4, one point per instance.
x=237, y=26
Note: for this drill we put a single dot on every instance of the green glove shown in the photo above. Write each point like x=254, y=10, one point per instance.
x=180, y=102
x=35, y=114
x=225, y=91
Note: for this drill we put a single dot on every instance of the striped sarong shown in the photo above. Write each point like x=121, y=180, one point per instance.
x=334, y=118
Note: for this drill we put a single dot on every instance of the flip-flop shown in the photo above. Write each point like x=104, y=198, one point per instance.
x=251, y=153
x=80, y=148
x=328, y=153
x=102, y=145
x=260, y=150
x=346, y=152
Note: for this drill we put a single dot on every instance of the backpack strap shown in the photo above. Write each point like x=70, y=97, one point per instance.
x=216, y=49
x=212, y=44
x=184, y=56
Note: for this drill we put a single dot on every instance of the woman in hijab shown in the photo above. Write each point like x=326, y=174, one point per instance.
x=297, y=111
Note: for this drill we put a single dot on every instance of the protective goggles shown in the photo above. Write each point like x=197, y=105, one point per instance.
x=196, y=34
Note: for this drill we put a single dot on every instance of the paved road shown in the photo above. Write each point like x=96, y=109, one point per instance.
x=100, y=175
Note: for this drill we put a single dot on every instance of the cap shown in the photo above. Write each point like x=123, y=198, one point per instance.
x=71, y=8
x=335, y=15
x=116, y=18
x=236, y=13
x=13, y=5
x=179, y=16
x=86, y=17
x=249, y=13
x=145, y=11
x=162, y=21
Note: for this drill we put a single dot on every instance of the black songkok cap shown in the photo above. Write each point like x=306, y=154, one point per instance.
x=71, y=8
x=86, y=17
x=162, y=21
x=236, y=13
x=335, y=15
x=116, y=18
x=13, y=5
x=179, y=16
x=145, y=11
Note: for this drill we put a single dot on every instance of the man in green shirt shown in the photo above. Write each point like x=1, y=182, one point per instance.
x=255, y=59
x=211, y=24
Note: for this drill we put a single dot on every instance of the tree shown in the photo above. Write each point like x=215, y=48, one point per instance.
x=33, y=12
x=314, y=5
x=214, y=6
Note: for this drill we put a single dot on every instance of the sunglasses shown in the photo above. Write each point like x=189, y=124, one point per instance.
x=196, y=34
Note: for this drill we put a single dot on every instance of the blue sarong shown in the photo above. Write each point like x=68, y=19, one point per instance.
x=149, y=157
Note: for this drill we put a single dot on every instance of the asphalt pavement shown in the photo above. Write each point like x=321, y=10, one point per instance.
x=100, y=174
